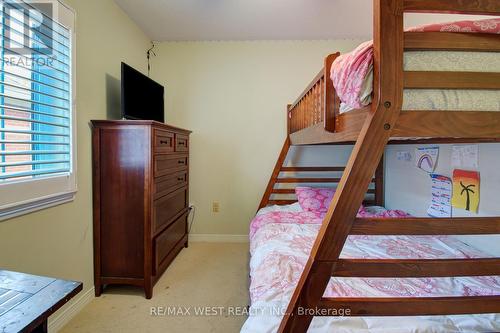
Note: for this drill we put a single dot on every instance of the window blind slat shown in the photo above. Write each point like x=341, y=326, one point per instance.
x=48, y=134
x=35, y=80
x=18, y=164
x=62, y=80
x=14, y=108
x=31, y=173
x=34, y=121
x=33, y=152
x=34, y=102
x=17, y=142
x=35, y=92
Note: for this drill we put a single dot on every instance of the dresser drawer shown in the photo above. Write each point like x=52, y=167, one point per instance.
x=181, y=143
x=167, y=164
x=167, y=240
x=168, y=207
x=166, y=184
x=163, y=141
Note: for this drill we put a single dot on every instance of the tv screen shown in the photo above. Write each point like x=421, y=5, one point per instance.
x=142, y=98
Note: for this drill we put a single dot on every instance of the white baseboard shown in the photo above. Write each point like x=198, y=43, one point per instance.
x=57, y=322
x=218, y=238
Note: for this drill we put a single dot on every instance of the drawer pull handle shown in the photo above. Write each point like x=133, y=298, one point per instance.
x=181, y=162
x=180, y=179
x=165, y=142
x=182, y=143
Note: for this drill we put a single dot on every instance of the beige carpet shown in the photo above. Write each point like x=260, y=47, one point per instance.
x=205, y=274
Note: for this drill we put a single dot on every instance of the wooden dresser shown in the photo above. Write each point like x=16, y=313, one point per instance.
x=141, y=200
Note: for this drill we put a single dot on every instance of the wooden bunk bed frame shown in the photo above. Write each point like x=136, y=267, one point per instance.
x=276, y=194
x=314, y=119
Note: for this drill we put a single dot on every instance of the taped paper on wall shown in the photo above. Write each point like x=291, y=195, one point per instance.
x=441, y=196
x=426, y=158
x=404, y=156
x=466, y=190
x=465, y=157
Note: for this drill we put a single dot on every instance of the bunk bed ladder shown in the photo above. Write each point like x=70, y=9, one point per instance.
x=356, y=178
x=339, y=220
x=274, y=193
x=266, y=198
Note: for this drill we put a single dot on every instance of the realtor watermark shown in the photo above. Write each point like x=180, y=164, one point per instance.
x=29, y=26
x=28, y=62
x=31, y=36
x=236, y=311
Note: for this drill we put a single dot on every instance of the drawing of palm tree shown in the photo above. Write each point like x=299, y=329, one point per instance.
x=467, y=189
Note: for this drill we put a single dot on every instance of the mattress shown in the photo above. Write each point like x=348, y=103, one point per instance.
x=446, y=99
x=279, y=251
x=352, y=74
x=451, y=99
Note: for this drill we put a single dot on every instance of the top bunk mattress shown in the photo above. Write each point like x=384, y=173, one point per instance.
x=352, y=74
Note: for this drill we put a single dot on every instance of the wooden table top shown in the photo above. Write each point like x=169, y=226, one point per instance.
x=26, y=301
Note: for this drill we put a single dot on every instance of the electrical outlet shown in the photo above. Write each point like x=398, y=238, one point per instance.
x=215, y=207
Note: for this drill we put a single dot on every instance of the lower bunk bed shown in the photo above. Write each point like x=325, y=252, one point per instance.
x=281, y=238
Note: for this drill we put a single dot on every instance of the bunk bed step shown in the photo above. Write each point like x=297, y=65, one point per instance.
x=312, y=169
x=451, y=41
x=292, y=191
x=281, y=202
x=411, y=306
x=427, y=226
x=448, y=124
x=486, y=7
x=307, y=180
x=283, y=191
x=451, y=80
x=416, y=267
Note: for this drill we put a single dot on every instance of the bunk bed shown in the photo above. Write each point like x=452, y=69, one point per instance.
x=317, y=118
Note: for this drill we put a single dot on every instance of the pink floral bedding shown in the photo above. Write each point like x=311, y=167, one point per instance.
x=315, y=217
x=352, y=72
x=280, y=243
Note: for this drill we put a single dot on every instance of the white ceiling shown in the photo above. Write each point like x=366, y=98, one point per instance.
x=193, y=20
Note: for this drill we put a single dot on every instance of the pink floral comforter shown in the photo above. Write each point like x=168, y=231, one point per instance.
x=312, y=217
x=352, y=72
x=280, y=243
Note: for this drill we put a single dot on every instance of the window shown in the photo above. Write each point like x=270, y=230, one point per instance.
x=37, y=120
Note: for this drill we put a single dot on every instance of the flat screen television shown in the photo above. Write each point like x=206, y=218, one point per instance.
x=142, y=98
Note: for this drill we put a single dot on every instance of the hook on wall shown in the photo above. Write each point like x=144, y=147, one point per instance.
x=149, y=52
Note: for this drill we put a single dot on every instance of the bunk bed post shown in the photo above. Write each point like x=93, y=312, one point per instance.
x=366, y=155
x=329, y=94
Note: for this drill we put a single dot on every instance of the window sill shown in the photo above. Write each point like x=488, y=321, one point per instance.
x=36, y=205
